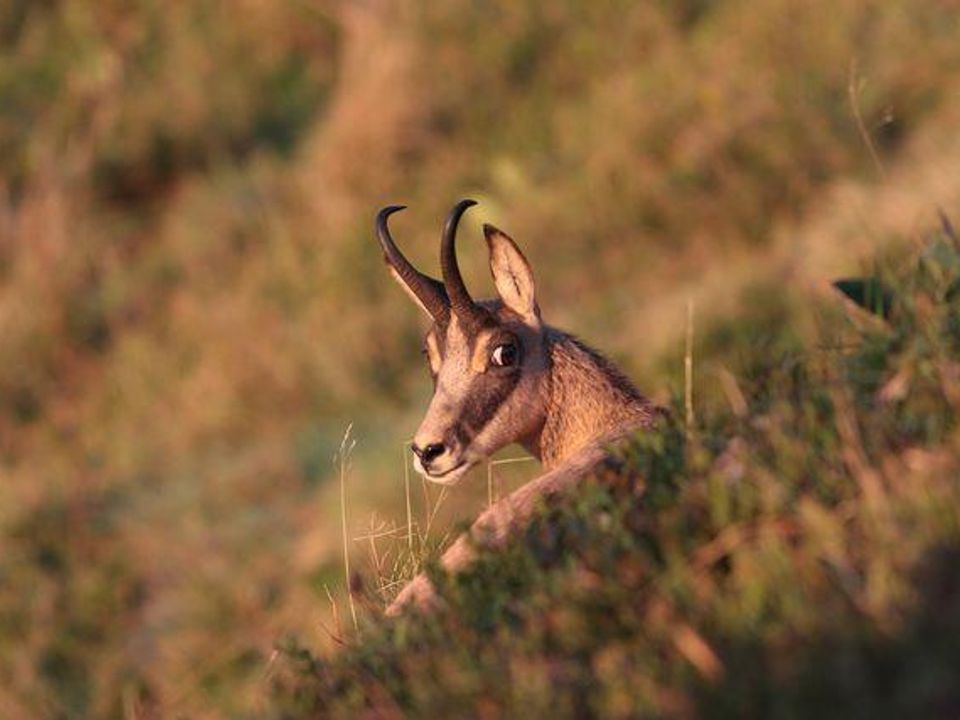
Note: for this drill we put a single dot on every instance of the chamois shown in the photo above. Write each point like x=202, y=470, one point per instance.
x=502, y=376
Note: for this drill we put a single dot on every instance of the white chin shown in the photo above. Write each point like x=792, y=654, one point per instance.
x=450, y=477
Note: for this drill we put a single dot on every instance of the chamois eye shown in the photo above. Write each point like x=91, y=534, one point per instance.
x=504, y=355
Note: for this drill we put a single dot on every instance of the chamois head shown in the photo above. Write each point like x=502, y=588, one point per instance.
x=487, y=358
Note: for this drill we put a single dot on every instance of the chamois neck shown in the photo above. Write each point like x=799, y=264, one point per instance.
x=588, y=401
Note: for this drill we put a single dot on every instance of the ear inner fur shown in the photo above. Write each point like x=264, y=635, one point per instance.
x=512, y=275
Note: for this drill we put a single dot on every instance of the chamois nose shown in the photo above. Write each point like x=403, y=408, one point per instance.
x=428, y=453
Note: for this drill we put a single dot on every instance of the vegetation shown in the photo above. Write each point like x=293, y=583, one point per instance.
x=192, y=310
x=787, y=556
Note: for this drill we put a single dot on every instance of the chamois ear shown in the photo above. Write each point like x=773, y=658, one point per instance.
x=512, y=275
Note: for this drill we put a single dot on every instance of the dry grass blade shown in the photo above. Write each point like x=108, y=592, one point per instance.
x=688, y=371
x=493, y=488
x=695, y=649
x=406, y=494
x=342, y=462
x=854, y=87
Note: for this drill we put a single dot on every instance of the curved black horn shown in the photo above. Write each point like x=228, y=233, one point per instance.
x=461, y=303
x=430, y=292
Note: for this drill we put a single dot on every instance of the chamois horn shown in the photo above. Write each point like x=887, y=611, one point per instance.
x=430, y=292
x=461, y=303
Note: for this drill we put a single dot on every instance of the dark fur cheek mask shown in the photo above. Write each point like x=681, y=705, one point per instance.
x=486, y=394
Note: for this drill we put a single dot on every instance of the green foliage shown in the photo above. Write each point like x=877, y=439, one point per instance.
x=796, y=560
x=869, y=293
x=938, y=268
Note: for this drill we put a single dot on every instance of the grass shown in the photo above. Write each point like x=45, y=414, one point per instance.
x=794, y=559
x=408, y=547
x=192, y=306
x=342, y=460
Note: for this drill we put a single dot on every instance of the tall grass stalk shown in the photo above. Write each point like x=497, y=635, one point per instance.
x=342, y=461
x=854, y=85
x=406, y=494
x=494, y=496
x=688, y=371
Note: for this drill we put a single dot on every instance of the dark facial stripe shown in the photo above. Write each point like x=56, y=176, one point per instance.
x=486, y=394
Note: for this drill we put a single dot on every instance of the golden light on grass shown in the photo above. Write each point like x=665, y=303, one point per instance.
x=342, y=462
x=688, y=371
x=192, y=305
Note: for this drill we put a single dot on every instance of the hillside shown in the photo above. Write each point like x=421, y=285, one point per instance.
x=193, y=309
x=793, y=554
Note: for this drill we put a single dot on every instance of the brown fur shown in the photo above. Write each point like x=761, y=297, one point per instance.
x=588, y=400
x=587, y=404
x=502, y=376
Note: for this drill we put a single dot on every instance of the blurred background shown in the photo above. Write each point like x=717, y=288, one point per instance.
x=193, y=308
